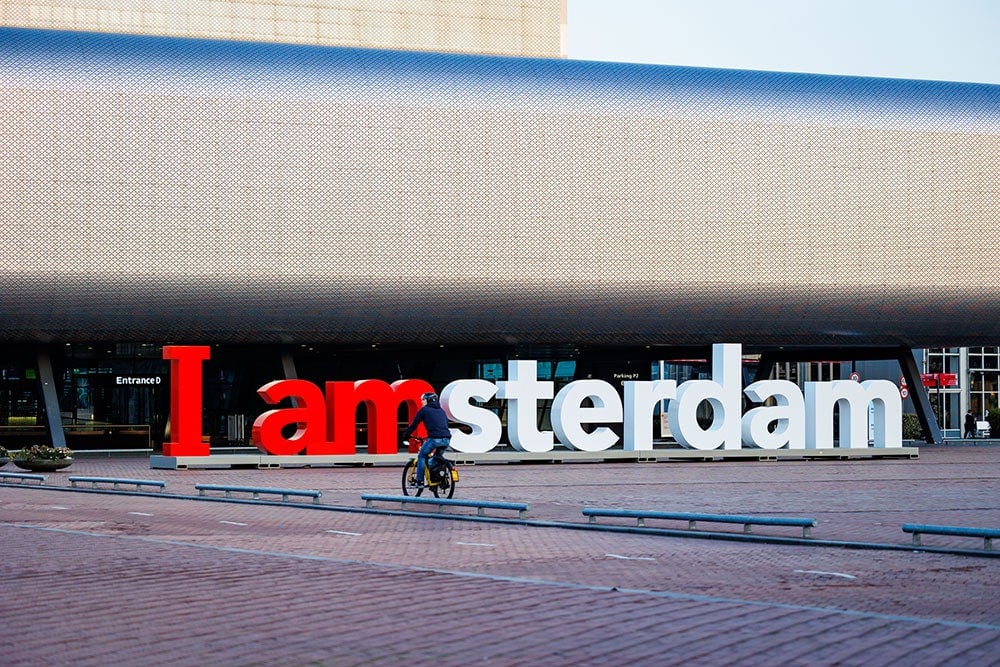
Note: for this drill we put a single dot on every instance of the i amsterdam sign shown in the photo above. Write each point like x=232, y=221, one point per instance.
x=324, y=418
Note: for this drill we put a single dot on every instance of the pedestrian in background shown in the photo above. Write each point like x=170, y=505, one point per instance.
x=970, y=425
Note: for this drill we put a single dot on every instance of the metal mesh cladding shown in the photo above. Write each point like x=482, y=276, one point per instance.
x=501, y=27
x=174, y=189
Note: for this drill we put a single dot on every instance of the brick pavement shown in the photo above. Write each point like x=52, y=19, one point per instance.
x=159, y=580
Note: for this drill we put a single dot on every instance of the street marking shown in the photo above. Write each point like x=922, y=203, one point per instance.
x=475, y=544
x=620, y=557
x=826, y=574
x=141, y=513
x=58, y=507
x=343, y=532
x=234, y=523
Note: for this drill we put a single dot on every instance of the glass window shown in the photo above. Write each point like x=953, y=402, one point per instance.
x=490, y=370
x=565, y=370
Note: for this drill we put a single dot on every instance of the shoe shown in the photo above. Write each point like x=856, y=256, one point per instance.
x=416, y=485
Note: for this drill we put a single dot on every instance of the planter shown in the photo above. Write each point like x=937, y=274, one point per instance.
x=4, y=461
x=43, y=465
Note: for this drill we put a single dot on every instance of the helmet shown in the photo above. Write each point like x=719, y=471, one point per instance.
x=429, y=396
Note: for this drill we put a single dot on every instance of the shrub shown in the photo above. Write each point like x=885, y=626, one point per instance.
x=911, y=427
x=43, y=452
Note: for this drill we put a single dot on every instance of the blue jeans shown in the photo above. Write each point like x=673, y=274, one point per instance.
x=430, y=444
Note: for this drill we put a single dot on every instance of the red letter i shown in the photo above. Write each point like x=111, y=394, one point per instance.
x=185, y=400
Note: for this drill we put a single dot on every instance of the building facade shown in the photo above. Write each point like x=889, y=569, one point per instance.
x=342, y=213
x=535, y=28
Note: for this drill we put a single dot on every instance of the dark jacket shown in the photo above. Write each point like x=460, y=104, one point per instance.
x=434, y=418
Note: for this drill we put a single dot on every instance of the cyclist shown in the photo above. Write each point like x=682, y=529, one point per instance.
x=433, y=416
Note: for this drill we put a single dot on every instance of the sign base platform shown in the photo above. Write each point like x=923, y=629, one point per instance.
x=264, y=461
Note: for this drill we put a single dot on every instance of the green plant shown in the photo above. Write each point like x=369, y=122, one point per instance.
x=911, y=427
x=43, y=453
x=3, y=452
x=993, y=417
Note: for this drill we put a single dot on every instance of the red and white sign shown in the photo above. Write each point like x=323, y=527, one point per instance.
x=939, y=379
x=324, y=419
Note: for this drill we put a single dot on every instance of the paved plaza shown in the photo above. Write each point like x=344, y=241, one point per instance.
x=124, y=578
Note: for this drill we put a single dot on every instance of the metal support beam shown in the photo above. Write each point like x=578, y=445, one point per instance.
x=50, y=399
x=288, y=366
x=921, y=401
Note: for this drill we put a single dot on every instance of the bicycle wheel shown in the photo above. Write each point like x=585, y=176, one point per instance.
x=446, y=486
x=409, y=472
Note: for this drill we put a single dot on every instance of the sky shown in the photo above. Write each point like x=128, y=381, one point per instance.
x=944, y=40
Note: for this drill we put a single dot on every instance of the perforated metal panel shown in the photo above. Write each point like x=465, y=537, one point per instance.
x=502, y=27
x=170, y=189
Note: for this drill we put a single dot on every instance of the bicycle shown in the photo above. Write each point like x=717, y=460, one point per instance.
x=440, y=474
